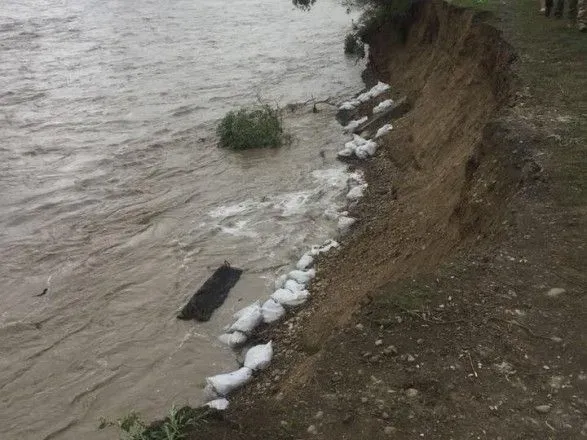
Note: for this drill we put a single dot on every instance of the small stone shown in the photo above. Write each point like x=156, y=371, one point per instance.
x=347, y=419
x=385, y=416
x=364, y=400
x=412, y=392
x=556, y=339
x=543, y=409
x=312, y=430
x=319, y=415
x=388, y=430
x=555, y=291
x=283, y=423
x=390, y=350
x=379, y=342
x=360, y=327
x=410, y=358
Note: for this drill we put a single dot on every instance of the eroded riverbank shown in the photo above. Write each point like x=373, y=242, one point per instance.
x=456, y=308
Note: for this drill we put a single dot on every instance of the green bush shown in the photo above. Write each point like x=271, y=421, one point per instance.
x=354, y=46
x=380, y=12
x=258, y=127
x=176, y=426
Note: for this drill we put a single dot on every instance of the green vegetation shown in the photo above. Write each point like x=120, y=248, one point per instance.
x=176, y=426
x=259, y=127
x=354, y=46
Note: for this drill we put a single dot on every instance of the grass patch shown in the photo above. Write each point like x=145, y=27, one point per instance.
x=257, y=127
x=404, y=295
x=176, y=426
x=353, y=46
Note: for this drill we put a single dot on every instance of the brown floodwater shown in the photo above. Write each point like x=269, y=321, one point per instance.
x=114, y=195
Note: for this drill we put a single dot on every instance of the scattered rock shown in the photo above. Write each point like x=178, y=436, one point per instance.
x=556, y=382
x=412, y=392
x=283, y=423
x=312, y=430
x=410, y=358
x=364, y=400
x=390, y=350
x=360, y=327
x=555, y=291
x=543, y=409
x=379, y=342
x=319, y=415
x=388, y=430
x=385, y=416
x=347, y=419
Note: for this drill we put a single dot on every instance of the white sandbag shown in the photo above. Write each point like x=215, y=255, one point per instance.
x=248, y=321
x=302, y=276
x=259, y=356
x=223, y=384
x=272, y=311
x=345, y=223
x=346, y=152
x=305, y=261
x=233, y=339
x=382, y=106
x=293, y=285
x=378, y=89
x=353, y=125
x=366, y=150
x=358, y=140
x=347, y=106
x=288, y=298
x=356, y=192
x=219, y=404
x=350, y=145
x=246, y=310
x=328, y=245
x=280, y=281
x=383, y=130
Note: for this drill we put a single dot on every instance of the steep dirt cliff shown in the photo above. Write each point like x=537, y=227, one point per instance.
x=436, y=318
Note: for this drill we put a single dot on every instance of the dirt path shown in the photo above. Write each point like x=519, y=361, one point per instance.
x=458, y=308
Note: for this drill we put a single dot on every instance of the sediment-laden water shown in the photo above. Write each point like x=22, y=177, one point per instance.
x=114, y=195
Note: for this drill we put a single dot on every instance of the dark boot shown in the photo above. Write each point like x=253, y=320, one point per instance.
x=560, y=8
x=548, y=8
x=573, y=10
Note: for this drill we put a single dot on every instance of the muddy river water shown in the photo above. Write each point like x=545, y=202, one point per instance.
x=114, y=195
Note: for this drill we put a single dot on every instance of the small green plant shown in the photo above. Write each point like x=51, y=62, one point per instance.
x=354, y=46
x=258, y=127
x=176, y=426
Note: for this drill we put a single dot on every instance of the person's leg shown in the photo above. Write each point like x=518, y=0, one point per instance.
x=573, y=9
x=548, y=6
x=559, y=9
x=582, y=15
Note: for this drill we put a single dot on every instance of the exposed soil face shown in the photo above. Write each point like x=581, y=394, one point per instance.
x=456, y=308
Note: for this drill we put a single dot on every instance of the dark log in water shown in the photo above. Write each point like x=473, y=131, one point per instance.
x=212, y=294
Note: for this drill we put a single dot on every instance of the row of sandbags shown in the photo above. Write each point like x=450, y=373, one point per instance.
x=291, y=290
